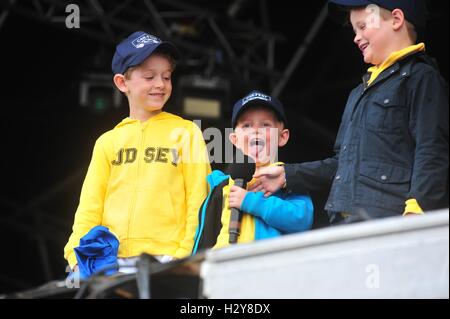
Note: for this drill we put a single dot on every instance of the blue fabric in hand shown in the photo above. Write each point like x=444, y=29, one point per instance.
x=98, y=249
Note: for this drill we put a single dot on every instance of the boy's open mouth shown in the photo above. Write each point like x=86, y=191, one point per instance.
x=257, y=142
x=363, y=46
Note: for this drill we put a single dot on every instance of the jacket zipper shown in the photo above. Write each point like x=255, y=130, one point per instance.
x=133, y=199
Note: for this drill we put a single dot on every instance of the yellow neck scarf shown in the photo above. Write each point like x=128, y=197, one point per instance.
x=392, y=58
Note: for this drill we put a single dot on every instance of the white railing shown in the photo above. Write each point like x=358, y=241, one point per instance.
x=400, y=257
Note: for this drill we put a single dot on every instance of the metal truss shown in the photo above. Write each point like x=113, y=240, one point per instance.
x=207, y=32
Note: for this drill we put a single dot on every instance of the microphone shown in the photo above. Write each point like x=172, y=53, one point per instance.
x=241, y=171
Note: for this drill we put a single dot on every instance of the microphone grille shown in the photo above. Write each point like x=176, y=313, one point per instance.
x=243, y=167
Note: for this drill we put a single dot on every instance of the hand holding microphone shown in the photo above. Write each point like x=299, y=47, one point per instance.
x=236, y=197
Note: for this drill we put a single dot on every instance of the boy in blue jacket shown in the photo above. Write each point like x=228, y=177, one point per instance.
x=259, y=124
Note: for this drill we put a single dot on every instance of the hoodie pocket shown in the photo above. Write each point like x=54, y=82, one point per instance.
x=154, y=215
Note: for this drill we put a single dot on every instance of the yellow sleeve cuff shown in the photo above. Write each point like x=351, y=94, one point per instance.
x=277, y=164
x=412, y=207
x=280, y=164
x=72, y=259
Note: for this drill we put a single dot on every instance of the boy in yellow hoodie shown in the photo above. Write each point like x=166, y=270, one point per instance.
x=147, y=176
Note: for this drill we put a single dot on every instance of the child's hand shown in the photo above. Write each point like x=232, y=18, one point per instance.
x=236, y=197
x=270, y=180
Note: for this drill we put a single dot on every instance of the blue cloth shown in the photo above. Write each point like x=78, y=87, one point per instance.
x=98, y=249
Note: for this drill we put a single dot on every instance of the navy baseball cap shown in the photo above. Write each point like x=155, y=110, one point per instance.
x=136, y=48
x=258, y=98
x=415, y=11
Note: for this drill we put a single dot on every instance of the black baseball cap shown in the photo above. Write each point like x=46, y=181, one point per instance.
x=415, y=11
x=258, y=98
x=136, y=48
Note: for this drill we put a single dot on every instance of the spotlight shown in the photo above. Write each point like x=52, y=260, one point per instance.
x=203, y=97
x=98, y=92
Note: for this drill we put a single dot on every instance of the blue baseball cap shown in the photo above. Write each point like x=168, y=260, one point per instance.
x=136, y=48
x=415, y=11
x=258, y=98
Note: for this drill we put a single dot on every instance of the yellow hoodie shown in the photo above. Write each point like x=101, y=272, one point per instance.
x=146, y=182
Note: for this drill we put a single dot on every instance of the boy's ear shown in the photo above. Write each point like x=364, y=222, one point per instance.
x=119, y=81
x=233, y=138
x=398, y=19
x=284, y=137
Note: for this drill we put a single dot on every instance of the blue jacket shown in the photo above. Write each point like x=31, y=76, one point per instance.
x=281, y=213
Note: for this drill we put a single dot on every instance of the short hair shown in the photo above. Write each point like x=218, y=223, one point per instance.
x=412, y=32
x=385, y=14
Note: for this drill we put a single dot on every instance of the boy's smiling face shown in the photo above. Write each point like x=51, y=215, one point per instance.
x=148, y=86
x=373, y=34
x=258, y=134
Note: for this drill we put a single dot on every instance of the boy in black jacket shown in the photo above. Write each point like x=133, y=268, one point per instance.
x=392, y=145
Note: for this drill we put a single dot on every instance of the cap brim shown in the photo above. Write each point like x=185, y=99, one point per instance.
x=280, y=116
x=171, y=49
x=336, y=8
x=148, y=50
x=351, y=3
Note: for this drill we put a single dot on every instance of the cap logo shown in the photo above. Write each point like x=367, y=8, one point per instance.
x=143, y=40
x=255, y=96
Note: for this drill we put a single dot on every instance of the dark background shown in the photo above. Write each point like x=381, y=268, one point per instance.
x=48, y=137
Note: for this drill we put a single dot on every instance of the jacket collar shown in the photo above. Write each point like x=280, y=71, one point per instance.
x=215, y=178
x=402, y=66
